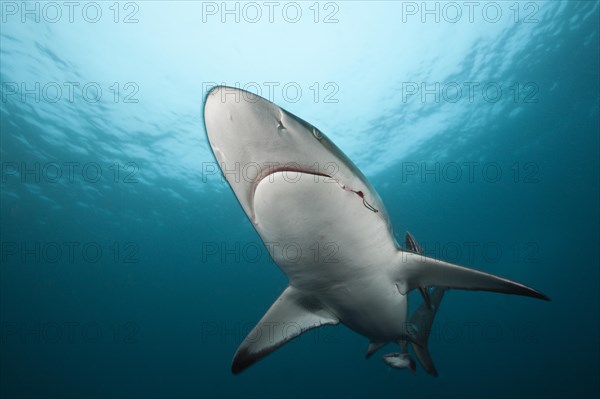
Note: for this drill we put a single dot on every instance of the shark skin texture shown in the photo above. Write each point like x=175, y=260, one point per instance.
x=299, y=190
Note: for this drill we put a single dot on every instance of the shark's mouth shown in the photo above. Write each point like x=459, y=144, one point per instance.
x=271, y=171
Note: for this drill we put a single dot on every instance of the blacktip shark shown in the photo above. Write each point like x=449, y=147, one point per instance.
x=298, y=189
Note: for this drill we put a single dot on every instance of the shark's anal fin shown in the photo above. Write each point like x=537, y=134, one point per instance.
x=292, y=314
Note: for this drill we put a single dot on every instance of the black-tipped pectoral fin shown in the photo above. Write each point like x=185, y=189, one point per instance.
x=292, y=314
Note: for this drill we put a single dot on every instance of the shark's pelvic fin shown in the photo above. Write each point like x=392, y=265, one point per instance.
x=292, y=314
x=374, y=347
x=414, y=271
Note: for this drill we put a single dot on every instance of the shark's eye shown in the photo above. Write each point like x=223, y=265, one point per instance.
x=318, y=135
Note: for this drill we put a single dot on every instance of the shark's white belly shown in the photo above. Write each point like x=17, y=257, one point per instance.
x=332, y=245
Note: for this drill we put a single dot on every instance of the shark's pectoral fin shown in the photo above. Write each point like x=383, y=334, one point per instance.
x=292, y=314
x=414, y=271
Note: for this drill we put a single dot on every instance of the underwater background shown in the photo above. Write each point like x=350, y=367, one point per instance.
x=129, y=270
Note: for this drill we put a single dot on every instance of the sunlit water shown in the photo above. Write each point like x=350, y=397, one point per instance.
x=130, y=270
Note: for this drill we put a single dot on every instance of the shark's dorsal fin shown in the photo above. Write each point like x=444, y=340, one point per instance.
x=412, y=244
x=373, y=347
x=293, y=313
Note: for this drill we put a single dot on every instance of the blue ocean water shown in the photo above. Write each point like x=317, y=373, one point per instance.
x=129, y=270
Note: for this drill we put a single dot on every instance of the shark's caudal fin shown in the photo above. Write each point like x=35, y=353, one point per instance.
x=292, y=314
x=415, y=270
x=422, y=320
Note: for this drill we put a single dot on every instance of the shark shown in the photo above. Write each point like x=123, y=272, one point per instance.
x=328, y=230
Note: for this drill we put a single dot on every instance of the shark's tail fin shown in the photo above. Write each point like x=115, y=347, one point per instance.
x=415, y=270
x=420, y=323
